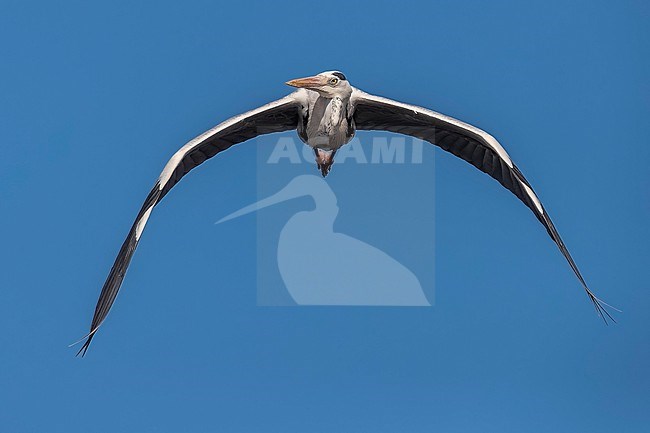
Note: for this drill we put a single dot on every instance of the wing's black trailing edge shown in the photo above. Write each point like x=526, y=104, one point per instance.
x=116, y=275
x=468, y=143
x=276, y=116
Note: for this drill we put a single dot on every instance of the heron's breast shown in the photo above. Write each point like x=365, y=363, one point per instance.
x=328, y=126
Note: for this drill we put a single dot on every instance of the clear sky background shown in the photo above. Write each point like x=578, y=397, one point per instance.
x=95, y=98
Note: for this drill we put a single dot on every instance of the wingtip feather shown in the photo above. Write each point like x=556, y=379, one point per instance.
x=601, y=309
x=88, y=337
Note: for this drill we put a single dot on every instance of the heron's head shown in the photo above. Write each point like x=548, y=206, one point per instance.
x=329, y=84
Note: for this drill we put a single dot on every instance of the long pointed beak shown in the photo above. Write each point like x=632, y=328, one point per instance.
x=308, y=82
x=283, y=195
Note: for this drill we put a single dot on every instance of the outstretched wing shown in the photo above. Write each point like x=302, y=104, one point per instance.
x=277, y=116
x=467, y=142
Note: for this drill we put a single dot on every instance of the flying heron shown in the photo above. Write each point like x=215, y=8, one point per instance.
x=326, y=111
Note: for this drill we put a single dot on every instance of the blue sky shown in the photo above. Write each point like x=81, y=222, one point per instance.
x=95, y=98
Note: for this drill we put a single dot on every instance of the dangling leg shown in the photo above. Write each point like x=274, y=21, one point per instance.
x=324, y=160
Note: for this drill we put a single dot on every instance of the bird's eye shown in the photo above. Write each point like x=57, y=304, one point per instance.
x=334, y=81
